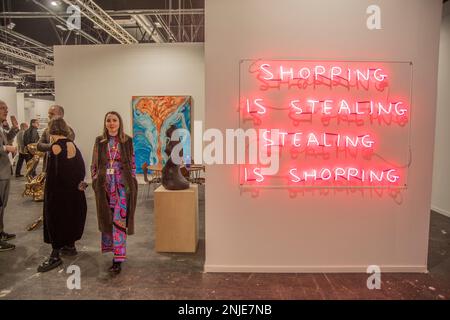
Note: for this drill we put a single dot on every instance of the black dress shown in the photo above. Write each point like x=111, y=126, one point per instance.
x=64, y=205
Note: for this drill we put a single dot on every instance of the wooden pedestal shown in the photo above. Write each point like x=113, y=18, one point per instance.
x=176, y=219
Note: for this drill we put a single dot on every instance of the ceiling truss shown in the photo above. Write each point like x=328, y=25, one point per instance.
x=104, y=21
x=23, y=55
x=19, y=53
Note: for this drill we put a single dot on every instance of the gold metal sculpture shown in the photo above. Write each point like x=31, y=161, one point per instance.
x=35, y=224
x=34, y=187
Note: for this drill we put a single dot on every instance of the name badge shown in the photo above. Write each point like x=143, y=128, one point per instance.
x=110, y=171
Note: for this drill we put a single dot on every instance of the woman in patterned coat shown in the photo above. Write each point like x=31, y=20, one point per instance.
x=113, y=172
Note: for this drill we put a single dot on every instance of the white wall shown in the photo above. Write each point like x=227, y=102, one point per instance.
x=440, y=200
x=341, y=231
x=91, y=80
x=20, y=107
x=37, y=109
x=8, y=94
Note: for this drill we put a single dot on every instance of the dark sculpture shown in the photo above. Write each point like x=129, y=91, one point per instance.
x=172, y=179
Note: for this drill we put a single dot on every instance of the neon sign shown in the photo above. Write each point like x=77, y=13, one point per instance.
x=335, y=73
x=330, y=122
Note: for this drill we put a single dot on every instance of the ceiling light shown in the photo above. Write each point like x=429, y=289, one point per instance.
x=157, y=24
x=55, y=3
x=126, y=22
x=59, y=26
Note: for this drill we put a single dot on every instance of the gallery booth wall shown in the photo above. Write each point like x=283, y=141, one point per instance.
x=24, y=109
x=37, y=109
x=91, y=80
x=337, y=231
x=441, y=175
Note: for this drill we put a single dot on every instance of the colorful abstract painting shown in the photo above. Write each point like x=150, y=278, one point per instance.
x=152, y=116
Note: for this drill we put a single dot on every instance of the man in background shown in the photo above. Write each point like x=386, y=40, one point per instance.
x=6, y=128
x=21, y=149
x=30, y=136
x=5, y=172
x=44, y=145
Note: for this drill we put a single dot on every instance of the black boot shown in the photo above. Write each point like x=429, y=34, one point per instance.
x=69, y=250
x=116, y=267
x=6, y=236
x=51, y=263
x=5, y=246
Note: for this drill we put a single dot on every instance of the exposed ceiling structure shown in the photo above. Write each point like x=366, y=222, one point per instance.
x=30, y=28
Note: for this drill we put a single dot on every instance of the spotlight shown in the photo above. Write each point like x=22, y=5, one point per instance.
x=55, y=3
x=11, y=25
x=61, y=27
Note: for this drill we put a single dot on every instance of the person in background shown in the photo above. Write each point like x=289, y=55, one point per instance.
x=30, y=136
x=21, y=149
x=6, y=128
x=54, y=112
x=113, y=172
x=64, y=199
x=5, y=172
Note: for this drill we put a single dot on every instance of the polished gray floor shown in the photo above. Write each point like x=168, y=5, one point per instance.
x=150, y=275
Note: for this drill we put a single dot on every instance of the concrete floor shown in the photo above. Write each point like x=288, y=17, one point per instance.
x=150, y=275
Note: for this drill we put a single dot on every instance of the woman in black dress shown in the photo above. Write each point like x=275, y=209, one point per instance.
x=64, y=200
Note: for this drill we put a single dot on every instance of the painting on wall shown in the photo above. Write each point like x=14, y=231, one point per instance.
x=152, y=116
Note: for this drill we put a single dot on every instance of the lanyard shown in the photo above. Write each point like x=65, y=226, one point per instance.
x=112, y=159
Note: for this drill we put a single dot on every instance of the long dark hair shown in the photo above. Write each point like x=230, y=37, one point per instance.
x=121, y=135
x=58, y=127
